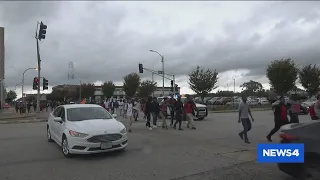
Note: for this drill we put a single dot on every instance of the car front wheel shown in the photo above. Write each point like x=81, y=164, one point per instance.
x=65, y=147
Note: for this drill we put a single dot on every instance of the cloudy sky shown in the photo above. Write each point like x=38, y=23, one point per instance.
x=107, y=40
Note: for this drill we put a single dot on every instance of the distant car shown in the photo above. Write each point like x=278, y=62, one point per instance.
x=85, y=129
x=308, y=134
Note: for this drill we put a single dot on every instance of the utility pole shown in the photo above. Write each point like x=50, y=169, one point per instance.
x=152, y=81
x=162, y=61
x=234, y=89
x=39, y=35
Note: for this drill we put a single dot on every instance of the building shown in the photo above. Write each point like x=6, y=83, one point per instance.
x=43, y=97
x=118, y=93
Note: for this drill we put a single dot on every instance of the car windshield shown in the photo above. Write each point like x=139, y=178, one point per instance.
x=87, y=113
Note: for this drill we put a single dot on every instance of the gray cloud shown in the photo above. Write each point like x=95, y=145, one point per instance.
x=99, y=39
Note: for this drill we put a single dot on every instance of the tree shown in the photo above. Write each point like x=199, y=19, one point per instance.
x=87, y=90
x=203, y=81
x=11, y=95
x=309, y=77
x=146, y=88
x=282, y=75
x=108, y=89
x=131, y=84
x=252, y=86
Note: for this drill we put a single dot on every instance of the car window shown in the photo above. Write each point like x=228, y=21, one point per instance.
x=63, y=114
x=87, y=113
x=57, y=112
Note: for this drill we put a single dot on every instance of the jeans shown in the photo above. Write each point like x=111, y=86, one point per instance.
x=154, y=118
x=246, y=123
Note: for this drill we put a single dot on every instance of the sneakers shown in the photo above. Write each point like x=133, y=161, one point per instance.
x=154, y=126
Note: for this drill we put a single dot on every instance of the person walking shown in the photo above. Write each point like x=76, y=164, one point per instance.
x=294, y=108
x=172, y=110
x=136, y=109
x=280, y=118
x=155, y=109
x=244, y=112
x=125, y=107
x=148, y=112
x=107, y=105
x=189, y=107
x=120, y=107
x=112, y=106
x=163, y=112
x=178, y=107
x=129, y=115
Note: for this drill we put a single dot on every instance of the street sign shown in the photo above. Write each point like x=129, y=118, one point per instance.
x=160, y=72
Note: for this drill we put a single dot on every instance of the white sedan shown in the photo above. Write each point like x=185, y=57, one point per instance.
x=85, y=129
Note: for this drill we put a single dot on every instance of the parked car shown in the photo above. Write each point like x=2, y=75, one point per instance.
x=308, y=134
x=85, y=129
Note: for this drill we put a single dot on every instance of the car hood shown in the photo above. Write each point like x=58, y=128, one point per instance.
x=96, y=126
x=200, y=105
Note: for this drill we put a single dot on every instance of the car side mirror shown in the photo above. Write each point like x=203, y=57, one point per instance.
x=58, y=119
x=114, y=115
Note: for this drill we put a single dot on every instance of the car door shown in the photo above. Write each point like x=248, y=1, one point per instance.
x=55, y=125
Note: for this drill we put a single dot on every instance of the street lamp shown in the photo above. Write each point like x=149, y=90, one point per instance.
x=162, y=61
x=22, y=98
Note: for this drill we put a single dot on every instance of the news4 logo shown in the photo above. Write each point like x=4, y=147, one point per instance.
x=280, y=153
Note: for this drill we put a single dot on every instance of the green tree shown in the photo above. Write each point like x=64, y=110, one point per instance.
x=131, y=83
x=224, y=94
x=87, y=90
x=146, y=88
x=203, y=81
x=56, y=95
x=108, y=89
x=309, y=77
x=252, y=86
x=282, y=75
x=11, y=95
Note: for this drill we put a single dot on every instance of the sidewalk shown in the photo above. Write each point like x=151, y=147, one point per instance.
x=11, y=115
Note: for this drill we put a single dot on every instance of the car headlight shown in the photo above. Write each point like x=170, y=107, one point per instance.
x=123, y=131
x=77, y=134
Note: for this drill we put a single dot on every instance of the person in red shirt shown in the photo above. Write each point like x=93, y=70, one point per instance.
x=280, y=118
x=189, y=107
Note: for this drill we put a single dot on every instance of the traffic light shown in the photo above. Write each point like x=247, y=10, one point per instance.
x=45, y=84
x=42, y=31
x=172, y=85
x=140, y=68
x=35, y=83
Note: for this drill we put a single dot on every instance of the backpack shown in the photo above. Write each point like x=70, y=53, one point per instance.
x=312, y=112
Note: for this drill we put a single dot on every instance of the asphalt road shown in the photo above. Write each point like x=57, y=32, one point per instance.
x=213, y=151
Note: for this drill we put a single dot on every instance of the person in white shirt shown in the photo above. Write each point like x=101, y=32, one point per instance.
x=125, y=107
x=244, y=112
x=136, y=110
x=129, y=114
x=120, y=107
x=106, y=104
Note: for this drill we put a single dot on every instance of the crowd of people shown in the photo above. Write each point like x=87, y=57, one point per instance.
x=151, y=109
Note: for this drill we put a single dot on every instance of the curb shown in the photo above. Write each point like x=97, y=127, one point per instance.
x=23, y=121
x=18, y=117
x=231, y=111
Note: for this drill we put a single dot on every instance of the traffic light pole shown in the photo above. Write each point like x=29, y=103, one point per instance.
x=22, y=85
x=39, y=68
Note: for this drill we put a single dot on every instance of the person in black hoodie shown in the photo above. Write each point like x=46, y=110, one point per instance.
x=280, y=117
x=148, y=112
x=155, y=109
x=178, y=107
